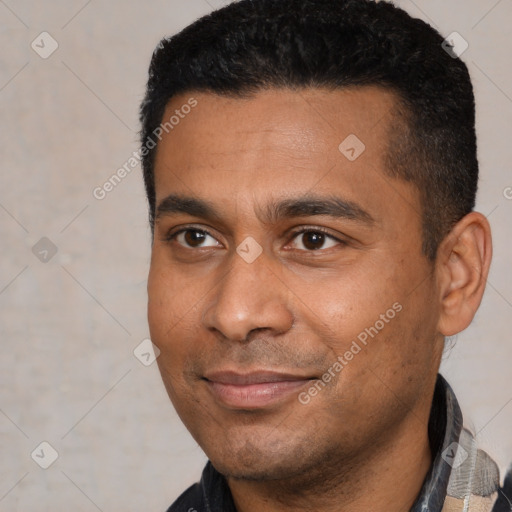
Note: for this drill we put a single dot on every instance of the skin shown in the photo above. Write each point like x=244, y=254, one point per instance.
x=361, y=442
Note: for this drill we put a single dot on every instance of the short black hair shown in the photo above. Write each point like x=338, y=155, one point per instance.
x=253, y=45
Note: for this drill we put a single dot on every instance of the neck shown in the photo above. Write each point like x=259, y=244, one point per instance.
x=387, y=476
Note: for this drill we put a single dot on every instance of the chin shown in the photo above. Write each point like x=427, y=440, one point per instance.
x=261, y=472
x=259, y=463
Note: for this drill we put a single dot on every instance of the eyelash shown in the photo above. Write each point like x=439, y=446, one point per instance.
x=172, y=236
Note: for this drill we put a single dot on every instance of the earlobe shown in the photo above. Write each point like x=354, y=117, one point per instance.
x=463, y=262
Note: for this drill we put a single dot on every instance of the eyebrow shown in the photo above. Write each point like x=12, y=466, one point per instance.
x=305, y=206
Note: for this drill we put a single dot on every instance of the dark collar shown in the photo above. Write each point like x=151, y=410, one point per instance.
x=444, y=427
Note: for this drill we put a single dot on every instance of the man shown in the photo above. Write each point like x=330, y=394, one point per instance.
x=311, y=172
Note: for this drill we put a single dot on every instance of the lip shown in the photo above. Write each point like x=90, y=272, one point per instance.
x=253, y=390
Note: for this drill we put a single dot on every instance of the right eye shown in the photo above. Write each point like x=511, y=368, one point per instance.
x=191, y=238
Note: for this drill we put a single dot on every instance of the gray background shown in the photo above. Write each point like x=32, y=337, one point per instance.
x=69, y=326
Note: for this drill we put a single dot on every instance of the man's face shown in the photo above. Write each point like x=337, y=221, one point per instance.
x=249, y=339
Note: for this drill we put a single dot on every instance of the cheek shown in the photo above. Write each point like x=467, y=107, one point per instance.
x=168, y=300
x=374, y=319
x=166, y=329
x=164, y=313
x=347, y=303
x=158, y=303
x=174, y=308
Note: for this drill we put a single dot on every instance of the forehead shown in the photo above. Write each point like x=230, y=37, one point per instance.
x=306, y=120
x=281, y=143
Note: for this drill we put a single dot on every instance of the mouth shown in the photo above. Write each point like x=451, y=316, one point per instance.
x=253, y=390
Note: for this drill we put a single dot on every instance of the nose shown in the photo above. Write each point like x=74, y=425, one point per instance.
x=250, y=296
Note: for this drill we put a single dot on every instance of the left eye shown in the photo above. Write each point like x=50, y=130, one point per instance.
x=312, y=240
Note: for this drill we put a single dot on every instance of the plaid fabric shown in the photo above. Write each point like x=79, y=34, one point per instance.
x=473, y=485
x=463, y=478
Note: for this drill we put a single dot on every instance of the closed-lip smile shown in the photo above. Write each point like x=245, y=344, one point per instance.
x=253, y=390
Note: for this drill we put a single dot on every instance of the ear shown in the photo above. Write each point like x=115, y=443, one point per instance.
x=462, y=266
